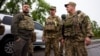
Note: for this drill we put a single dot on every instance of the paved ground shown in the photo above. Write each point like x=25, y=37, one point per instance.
x=39, y=51
x=93, y=50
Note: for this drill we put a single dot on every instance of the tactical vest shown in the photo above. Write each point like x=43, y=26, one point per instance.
x=74, y=25
x=26, y=23
x=51, y=24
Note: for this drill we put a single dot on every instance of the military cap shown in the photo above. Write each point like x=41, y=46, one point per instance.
x=70, y=3
x=52, y=8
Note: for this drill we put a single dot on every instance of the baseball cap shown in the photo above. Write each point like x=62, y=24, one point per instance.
x=53, y=8
x=70, y=3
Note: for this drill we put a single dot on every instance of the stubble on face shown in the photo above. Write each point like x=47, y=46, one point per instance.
x=25, y=8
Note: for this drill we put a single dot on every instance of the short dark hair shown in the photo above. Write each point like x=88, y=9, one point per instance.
x=25, y=3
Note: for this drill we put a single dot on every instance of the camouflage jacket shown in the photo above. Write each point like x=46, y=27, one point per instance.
x=57, y=32
x=19, y=29
x=78, y=24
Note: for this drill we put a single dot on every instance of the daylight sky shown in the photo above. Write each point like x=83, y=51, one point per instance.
x=90, y=7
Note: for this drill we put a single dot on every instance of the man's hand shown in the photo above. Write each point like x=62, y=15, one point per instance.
x=43, y=39
x=87, y=41
x=62, y=41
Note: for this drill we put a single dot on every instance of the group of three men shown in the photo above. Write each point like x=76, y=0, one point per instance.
x=74, y=32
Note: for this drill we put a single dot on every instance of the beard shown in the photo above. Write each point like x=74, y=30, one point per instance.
x=26, y=11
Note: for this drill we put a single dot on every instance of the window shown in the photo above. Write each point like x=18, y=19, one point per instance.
x=7, y=20
x=38, y=26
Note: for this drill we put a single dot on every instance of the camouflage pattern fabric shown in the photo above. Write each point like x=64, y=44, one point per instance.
x=76, y=28
x=52, y=23
x=57, y=31
x=75, y=48
x=78, y=25
x=62, y=48
x=52, y=43
x=26, y=23
x=19, y=32
x=52, y=37
x=31, y=48
x=22, y=46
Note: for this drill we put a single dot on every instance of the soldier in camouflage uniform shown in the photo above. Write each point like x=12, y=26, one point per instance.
x=77, y=31
x=22, y=28
x=52, y=33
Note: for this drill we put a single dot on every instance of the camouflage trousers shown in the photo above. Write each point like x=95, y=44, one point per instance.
x=20, y=48
x=75, y=48
x=62, y=46
x=31, y=48
x=52, y=43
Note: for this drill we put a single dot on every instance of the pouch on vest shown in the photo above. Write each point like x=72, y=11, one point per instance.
x=68, y=26
x=26, y=23
x=73, y=25
x=50, y=25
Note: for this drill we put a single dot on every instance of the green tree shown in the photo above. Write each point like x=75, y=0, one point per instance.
x=13, y=6
x=2, y=2
x=40, y=12
x=96, y=29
